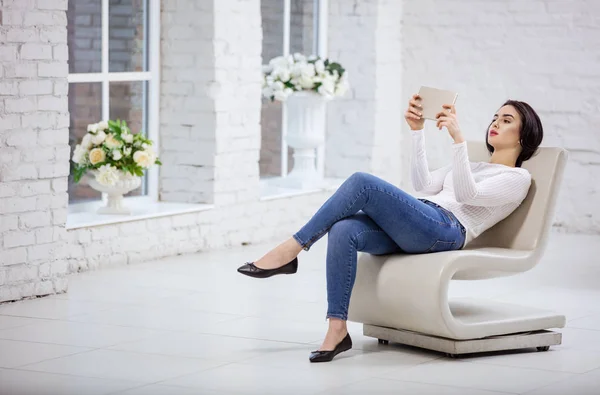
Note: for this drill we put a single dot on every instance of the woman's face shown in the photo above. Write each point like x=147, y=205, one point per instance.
x=504, y=131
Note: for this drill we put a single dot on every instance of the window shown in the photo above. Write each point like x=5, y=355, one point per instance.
x=289, y=26
x=113, y=73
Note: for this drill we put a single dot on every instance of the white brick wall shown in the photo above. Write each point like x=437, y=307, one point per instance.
x=211, y=81
x=544, y=52
x=33, y=150
x=363, y=128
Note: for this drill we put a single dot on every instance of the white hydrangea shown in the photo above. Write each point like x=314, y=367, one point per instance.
x=107, y=175
x=99, y=137
x=80, y=154
x=285, y=75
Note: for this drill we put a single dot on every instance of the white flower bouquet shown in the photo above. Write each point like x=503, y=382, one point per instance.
x=112, y=153
x=285, y=75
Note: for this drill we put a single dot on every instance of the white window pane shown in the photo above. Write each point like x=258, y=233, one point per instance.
x=85, y=107
x=127, y=25
x=301, y=27
x=85, y=36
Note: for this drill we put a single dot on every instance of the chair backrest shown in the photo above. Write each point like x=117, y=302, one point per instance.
x=528, y=226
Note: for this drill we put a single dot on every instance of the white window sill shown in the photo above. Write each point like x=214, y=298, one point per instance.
x=270, y=190
x=83, y=215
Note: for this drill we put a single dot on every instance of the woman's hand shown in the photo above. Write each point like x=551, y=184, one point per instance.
x=413, y=115
x=447, y=119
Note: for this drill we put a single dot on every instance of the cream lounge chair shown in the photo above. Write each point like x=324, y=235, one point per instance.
x=404, y=298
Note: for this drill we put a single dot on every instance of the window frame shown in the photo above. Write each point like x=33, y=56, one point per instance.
x=320, y=37
x=152, y=77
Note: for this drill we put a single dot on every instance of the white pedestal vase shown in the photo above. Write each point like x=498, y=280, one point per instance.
x=114, y=193
x=305, y=132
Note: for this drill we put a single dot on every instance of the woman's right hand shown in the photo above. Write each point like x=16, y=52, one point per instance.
x=413, y=114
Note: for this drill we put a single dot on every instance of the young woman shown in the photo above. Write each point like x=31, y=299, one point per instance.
x=370, y=215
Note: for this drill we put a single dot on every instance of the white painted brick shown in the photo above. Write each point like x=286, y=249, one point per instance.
x=20, y=105
x=13, y=256
x=59, y=216
x=40, y=252
x=16, y=292
x=132, y=228
x=59, y=200
x=12, y=17
x=52, y=4
x=60, y=185
x=60, y=52
x=8, y=189
x=35, y=219
x=52, y=103
x=44, y=288
x=84, y=236
x=9, y=222
x=52, y=137
x=9, y=121
x=52, y=170
x=22, y=35
x=53, y=69
x=21, y=138
x=45, y=18
x=21, y=273
x=24, y=171
x=44, y=235
x=38, y=154
x=39, y=120
x=53, y=34
x=61, y=87
x=22, y=70
x=18, y=239
x=33, y=188
x=35, y=87
x=36, y=52
x=43, y=202
x=19, y=4
x=103, y=233
x=8, y=88
x=2, y=277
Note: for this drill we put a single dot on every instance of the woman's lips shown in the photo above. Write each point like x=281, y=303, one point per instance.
x=493, y=133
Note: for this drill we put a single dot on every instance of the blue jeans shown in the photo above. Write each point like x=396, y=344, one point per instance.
x=371, y=215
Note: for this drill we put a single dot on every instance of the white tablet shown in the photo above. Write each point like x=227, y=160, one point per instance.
x=433, y=99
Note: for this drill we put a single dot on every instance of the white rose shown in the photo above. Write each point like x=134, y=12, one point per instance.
x=282, y=74
x=298, y=57
x=266, y=69
x=98, y=138
x=327, y=87
x=280, y=61
x=127, y=151
x=282, y=95
x=111, y=142
x=128, y=138
x=116, y=154
x=102, y=125
x=96, y=156
x=320, y=66
x=306, y=82
x=79, y=154
x=93, y=127
x=142, y=159
x=107, y=175
x=86, y=142
x=342, y=86
x=277, y=86
x=267, y=92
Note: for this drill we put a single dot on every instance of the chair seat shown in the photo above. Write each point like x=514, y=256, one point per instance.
x=411, y=292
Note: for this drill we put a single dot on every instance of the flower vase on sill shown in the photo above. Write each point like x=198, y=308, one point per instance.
x=116, y=160
x=305, y=85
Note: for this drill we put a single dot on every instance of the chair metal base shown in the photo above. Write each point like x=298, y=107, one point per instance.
x=542, y=340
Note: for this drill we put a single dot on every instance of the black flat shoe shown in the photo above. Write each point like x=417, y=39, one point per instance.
x=326, y=356
x=250, y=270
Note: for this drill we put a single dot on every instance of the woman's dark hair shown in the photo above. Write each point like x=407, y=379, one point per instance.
x=531, y=133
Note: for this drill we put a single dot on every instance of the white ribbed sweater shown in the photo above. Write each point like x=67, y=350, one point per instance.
x=479, y=194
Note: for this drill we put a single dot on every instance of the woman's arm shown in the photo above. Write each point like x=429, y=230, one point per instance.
x=511, y=186
x=424, y=181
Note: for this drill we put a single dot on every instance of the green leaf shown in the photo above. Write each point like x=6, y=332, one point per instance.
x=158, y=162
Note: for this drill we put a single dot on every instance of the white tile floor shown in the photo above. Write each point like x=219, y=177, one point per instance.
x=192, y=325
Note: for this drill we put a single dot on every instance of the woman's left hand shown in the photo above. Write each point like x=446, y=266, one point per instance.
x=447, y=119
